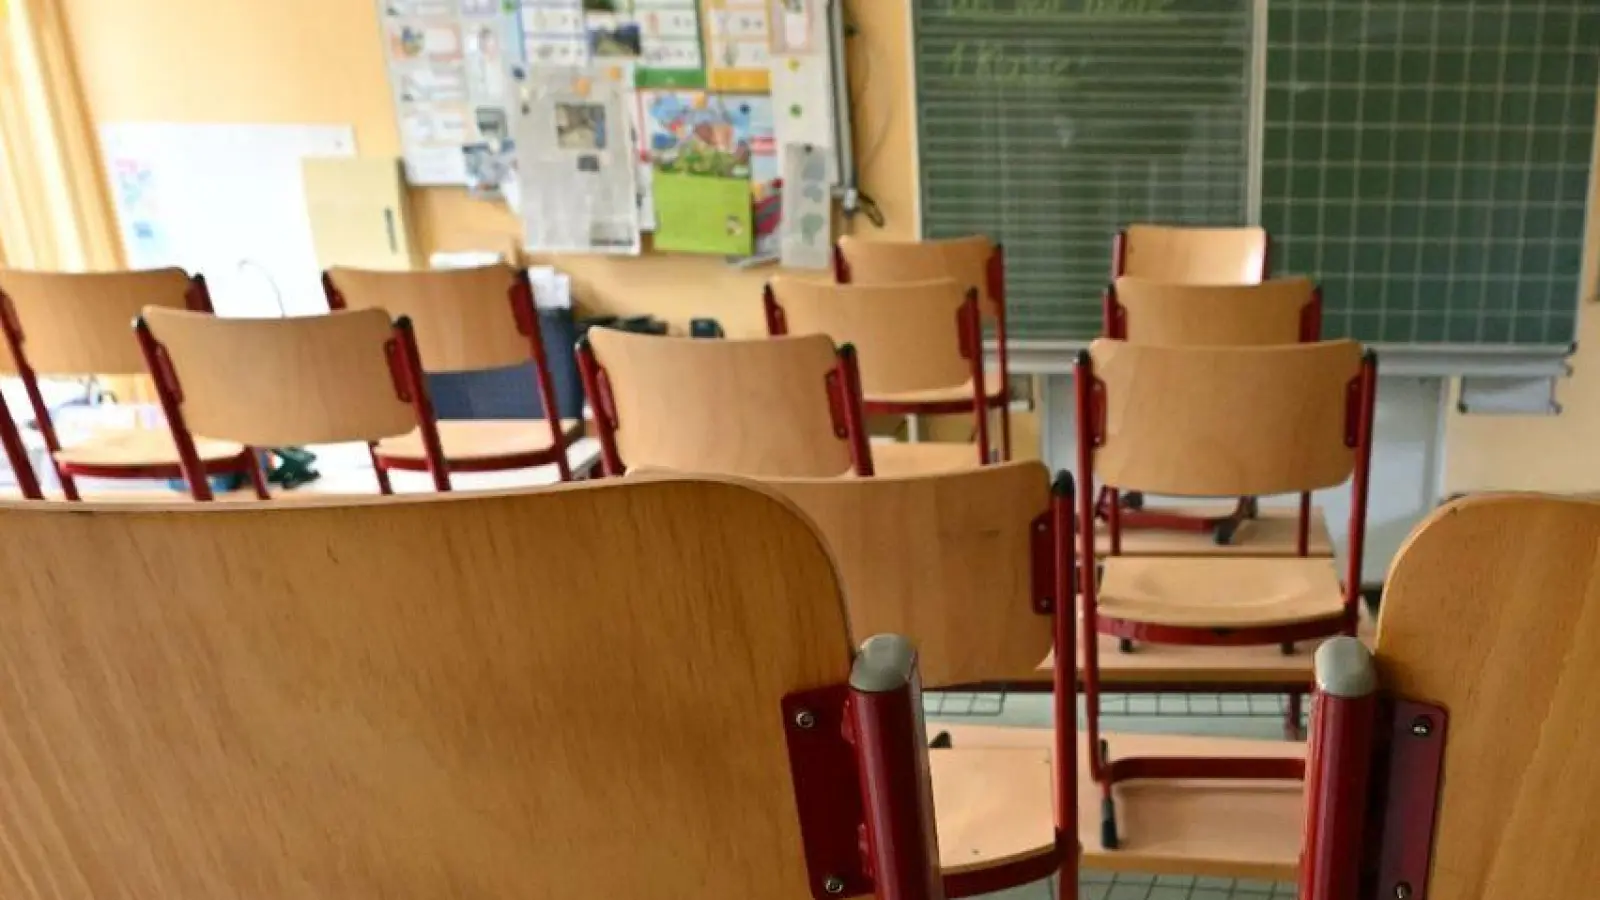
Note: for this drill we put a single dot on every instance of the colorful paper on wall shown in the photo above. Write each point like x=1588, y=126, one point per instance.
x=670, y=34
x=739, y=49
x=428, y=74
x=802, y=104
x=807, y=241
x=552, y=33
x=701, y=214
x=577, y=163
x=792, y=25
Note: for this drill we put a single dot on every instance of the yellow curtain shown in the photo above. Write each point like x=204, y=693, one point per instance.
x=56, y=212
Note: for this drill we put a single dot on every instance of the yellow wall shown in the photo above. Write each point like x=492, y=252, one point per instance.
x=320, y=61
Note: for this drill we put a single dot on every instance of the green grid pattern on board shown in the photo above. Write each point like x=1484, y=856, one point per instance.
x=1049, y=124
x=1428, y=162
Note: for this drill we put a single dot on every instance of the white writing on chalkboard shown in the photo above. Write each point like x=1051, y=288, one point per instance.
x=992, y=62
x=1063, y=8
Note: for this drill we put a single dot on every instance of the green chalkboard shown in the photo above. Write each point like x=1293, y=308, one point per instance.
x=1429, y=163
x=1427, y=160
x=1049, y=124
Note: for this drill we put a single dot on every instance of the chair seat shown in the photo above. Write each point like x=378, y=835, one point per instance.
x=479, y=439
x=1200, y=592
x=992, y=806
x=1207, y=828
x=134, y=448
x=921, y=459
x=955, y=393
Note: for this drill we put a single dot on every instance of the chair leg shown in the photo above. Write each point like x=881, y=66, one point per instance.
x=258, y=479
x=1291, y=718
x=69, y=484
x=384, y=487
x=1005, y=432
x=1108, y=803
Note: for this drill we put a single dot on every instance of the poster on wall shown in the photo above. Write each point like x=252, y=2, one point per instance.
x=577, y=164
x=423, y=43
x=670, y=35
x=739, y=51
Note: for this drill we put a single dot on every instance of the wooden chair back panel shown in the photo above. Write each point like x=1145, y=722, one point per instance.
x=1191, y=315
x=280, y=382
x=733, y=407
x=1492, y=610
x=1203, y=421
x=82, y=323
x=463, y=317
x=944, y=559
x=908, y=334
x=545, y=694
x=964, y=260
x=1194, y=255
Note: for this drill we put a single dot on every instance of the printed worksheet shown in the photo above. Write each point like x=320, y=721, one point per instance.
x=577, y=163
x=670, y=32
x=424, y=45
x=739, y=51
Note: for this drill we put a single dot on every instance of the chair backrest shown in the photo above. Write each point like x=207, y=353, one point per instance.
x=910, y=335
x=568, y=692
x=1190, y=254
x=465, y=319
x=81, y=323
x=1276, y=311
x=948, y=560
x=1224, y=421
x=1492, y=611
x=279, y=382
x=773, y=407
x=973, y=262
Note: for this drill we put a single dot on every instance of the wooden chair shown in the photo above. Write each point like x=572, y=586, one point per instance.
x=1192, y=255
x=347, y=376
x=975, y=567
x=466, y=320
x=541, y=694
x=1457, y=758
x=919, y=344
x=780, y=406
x=974, y=262
x=1272, y=420
x=62, y=324
x=1273, y=312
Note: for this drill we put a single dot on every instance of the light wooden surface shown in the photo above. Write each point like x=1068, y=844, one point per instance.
x=1231, y=592
x=141, y=447
x=281, y=382
x=992, y=805
x=1198, y=315
x=1216, y=829
x=1493, y=611
x=479, y=439
x=411, y=698
x=1194, y=255
x=965, y=260
x=908, y=334
x=82, y=323
x=945, y=560
x=730, y=406
x=1272, y=533
x=359, y=212
x=926, y=458
x=1212, y=421
x=992, y=385
x=463, y=317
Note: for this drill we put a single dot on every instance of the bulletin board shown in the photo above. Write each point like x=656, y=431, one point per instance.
x=599, y=119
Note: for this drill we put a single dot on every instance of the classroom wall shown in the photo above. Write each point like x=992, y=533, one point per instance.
x=320, y=61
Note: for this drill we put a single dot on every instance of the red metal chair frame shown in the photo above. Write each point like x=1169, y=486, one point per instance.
x=525, y=317
x=1373, y=775
x=1091, y=405
x=405, y=368
x=843, y=386
x=198, y=299
x=970, y=336
x=1115, y=326
x=996, y=286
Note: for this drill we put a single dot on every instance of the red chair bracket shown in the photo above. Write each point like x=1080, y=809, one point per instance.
x=168, y=374
x=397, y=369
x=777, y=322
x=522, y=306
x=1407, y=769
x=827, y=795
x=1352, y=413
x=606, y=403
x=1115, y=315
x=1097, y=412
x=837, y=403
x=1311, y=318
x=1043, y=553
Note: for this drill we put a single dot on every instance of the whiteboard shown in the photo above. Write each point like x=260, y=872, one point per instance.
x=226, y=201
